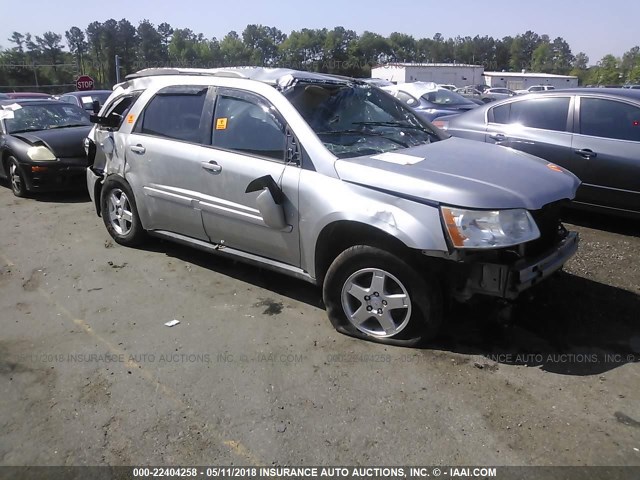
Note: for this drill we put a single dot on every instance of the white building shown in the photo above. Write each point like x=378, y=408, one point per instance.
x=524, y=80
x=457, y=74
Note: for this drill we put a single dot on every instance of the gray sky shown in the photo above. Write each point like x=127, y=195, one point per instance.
x=591, y=27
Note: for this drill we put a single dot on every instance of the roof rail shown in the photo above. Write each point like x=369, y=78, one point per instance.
x=214, y=72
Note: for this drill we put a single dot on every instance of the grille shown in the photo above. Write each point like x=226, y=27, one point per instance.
x=551, y=229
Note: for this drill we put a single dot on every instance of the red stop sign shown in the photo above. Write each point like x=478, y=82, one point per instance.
x=84, y=82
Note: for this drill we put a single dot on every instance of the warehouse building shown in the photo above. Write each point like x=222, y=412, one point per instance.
x=524, y=80
x=457, y=74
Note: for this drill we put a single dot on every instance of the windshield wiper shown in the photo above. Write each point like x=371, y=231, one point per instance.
x=390, y=124
x=362, y=132
x=68, y=126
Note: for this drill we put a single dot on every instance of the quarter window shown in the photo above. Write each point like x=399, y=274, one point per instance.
x=609, y=119
x=175, y=113
x=121, y=105
x=248, y=124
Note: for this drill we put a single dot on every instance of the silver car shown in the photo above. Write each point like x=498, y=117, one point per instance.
x=332, y=181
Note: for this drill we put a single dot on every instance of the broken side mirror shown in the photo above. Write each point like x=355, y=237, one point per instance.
x=269, y=201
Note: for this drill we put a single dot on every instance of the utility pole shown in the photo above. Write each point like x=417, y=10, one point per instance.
x=117, y=68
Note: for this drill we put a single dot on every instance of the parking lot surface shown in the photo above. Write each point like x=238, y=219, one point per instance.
x=254, y=374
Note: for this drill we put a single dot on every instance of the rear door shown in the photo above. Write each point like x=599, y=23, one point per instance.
x=539, y=125
x=164, y=153
x=607, y=141
x=249, y=140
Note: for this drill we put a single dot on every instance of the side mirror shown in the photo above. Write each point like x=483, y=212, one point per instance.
x=269, y=201
x=95, y=105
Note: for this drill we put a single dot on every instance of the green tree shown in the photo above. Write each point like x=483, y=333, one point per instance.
x=233, y=51
x=78, y=45
x=127, y=37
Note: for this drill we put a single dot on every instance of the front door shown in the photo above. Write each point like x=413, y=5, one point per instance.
x=540, y=126
x=248, y=141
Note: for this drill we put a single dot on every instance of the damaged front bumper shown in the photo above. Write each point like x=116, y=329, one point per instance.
x=509, y=280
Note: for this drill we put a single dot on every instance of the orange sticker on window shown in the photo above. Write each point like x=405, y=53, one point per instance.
x=130, y=118
x=221, y=123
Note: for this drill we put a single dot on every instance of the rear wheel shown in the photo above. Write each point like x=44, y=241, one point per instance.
x=16, y=178
x=373, y=294
x=120, y=213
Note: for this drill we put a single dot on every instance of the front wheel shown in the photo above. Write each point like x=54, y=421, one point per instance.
x=16, y=177
x=120, y=213
x=375, y=295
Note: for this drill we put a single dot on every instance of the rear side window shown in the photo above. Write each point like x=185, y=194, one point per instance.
x=175, y=113
x=120, y=106
x=248, y=124
x=501, y=113
x=544, y=113
x=609, y=119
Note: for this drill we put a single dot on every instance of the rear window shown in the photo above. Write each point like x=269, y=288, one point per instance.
x=609, y=119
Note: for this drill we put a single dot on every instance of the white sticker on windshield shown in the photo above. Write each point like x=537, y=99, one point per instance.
x=13, y=107
x=87, y=100
x=398, y=158
x=6, y=115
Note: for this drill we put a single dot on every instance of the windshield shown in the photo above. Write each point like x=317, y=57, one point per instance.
x=29, y=118
x=445, y=97
x=354, y=120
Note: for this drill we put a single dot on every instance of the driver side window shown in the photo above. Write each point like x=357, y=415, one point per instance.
x=248, y=124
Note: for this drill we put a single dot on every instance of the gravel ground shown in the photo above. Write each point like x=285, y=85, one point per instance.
x=255, y=375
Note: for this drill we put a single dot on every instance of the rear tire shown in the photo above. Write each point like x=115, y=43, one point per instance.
x=120, y=213
x=375, y=295
x=16, y=178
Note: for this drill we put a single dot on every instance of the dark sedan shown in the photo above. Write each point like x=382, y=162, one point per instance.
x=41, y=145
x=594, y=133
x=85, y=99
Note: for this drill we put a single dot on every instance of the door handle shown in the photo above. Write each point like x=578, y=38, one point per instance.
x=139, y=149
x=586, y=153
x=498, y=137
x=212, y=167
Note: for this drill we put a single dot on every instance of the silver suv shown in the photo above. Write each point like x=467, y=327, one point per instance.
x=330, y=180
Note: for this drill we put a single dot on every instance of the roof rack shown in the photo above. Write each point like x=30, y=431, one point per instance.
x=215, y=72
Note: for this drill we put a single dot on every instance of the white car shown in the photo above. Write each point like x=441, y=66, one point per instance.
x=535, y=88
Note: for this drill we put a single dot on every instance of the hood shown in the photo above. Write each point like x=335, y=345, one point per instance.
x=463, y=173
x=63, y=142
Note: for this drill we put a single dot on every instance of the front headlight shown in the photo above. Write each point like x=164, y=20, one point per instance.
x=40, y=153
x=489, y=228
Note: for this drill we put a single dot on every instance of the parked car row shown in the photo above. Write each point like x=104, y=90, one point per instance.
x=429, y=100
x=485, y=95
x=341, y=183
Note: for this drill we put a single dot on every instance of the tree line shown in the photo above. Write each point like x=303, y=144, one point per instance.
x=52, y=61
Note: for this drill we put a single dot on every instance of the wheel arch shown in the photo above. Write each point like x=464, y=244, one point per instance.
x=339, y=235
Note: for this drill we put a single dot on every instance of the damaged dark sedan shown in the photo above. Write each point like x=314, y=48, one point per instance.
x=41, y=145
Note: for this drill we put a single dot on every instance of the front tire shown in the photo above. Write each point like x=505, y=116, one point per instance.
x=16, y=178
x=120, y=213
x=375, y=295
